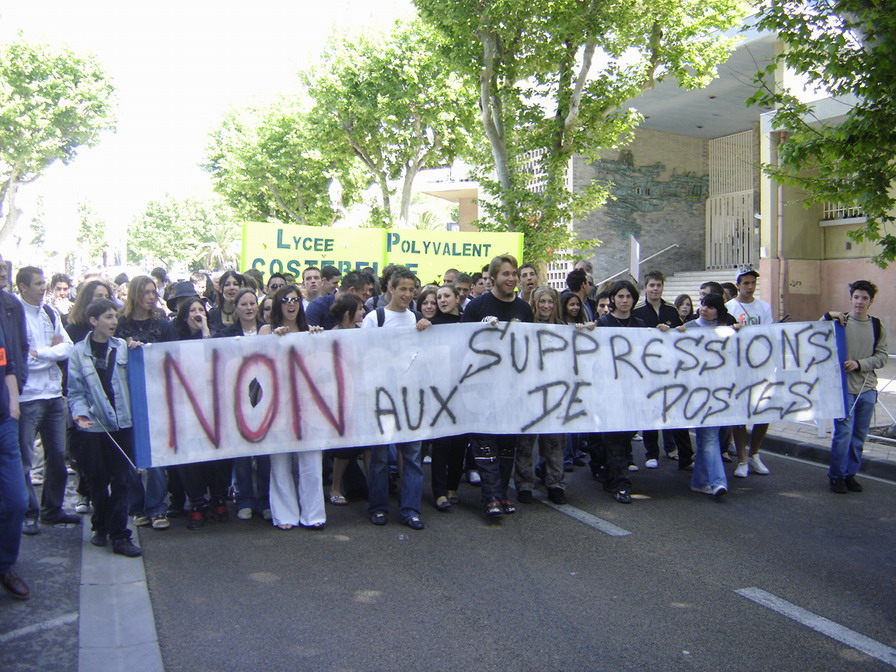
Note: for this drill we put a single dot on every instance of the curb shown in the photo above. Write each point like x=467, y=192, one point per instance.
x=812, y=452
x=117, y=629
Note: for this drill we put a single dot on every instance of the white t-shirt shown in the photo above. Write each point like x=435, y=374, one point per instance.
x=755, y=312
x=404, y=318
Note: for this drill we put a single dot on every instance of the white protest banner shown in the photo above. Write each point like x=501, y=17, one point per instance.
x=227, y=397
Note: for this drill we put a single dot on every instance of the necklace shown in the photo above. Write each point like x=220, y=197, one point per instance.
x=627, y=323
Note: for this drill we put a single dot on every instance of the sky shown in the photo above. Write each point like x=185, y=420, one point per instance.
x=178, y=68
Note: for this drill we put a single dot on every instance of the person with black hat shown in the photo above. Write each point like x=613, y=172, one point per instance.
x=181, y=292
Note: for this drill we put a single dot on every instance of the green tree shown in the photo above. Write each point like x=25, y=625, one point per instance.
x=92, y=236
x=554, y=78
x=273, y=165
x=393, y=104
x=847, y=48
x=52, y=102
x=170, y=230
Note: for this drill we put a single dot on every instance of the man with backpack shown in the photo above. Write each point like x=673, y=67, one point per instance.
x=43, y=409
x=866, y=350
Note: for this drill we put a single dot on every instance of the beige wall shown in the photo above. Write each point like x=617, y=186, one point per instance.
x=812, y=287
x=838, y=245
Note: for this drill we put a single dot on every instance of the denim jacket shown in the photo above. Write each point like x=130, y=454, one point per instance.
x=85, y=389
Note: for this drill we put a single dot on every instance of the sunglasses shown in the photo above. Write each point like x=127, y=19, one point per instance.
x=276, y=287
x=290, y=299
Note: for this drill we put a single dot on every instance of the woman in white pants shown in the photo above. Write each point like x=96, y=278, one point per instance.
x=297, y=488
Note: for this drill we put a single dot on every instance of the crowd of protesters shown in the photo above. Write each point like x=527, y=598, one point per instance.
x=64, y=352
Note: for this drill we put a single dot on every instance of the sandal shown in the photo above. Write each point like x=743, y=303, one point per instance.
x=493, y=508
x=338, y=500
x=315, y=526
x=285, y=526
x=452, y=497
x=442, y=504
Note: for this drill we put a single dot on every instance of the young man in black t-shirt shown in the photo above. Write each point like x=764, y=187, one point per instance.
x=494, y=455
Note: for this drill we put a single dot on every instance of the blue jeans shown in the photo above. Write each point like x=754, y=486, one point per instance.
x=248, y=496
x=411, y=480
x=709, y=470
x=13, y=496
x=148, y=495
x=47, y=418
x=849, y=435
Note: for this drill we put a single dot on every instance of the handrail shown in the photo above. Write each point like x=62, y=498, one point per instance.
x=625, y=270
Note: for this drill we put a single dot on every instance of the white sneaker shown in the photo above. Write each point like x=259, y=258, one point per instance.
x=742, y=470
x=719, y=490
x=83, y=506
x=705, y=490
x=633, y=467
x=756, y=465
x=244, y=513
x=652, y=464
x=473, y=477
x=266, y=514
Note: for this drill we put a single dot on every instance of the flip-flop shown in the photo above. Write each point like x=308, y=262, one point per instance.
x=315, y=526
x=285, y=526
x=338, y=500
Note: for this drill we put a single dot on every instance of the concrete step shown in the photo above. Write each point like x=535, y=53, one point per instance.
x=688, y=282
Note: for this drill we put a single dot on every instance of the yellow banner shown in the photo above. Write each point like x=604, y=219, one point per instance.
x=430, y=253
x=290, y=248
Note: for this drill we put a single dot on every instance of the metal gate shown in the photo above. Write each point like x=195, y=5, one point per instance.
x=732, y=237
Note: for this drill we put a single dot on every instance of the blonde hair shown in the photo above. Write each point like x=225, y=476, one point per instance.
x=555, y=312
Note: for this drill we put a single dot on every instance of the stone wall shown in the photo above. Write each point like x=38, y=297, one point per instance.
x=660, y=184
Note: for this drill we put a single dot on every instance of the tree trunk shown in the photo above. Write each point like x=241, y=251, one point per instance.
x=387, y=196
x=409, y=174
x=491, y=110
x=12, y=212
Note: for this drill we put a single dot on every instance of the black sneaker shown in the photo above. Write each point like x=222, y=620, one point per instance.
x=852, y=484
x=623, y=497
x=414, y=522
x=63, y=519
x=98, y=539
x=127, y=548
x=838, y=485
x=556, y=495
x=525, y=497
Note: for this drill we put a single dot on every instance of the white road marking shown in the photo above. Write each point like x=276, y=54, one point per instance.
x=598, y=524
x=37, y=627
x=820, y=624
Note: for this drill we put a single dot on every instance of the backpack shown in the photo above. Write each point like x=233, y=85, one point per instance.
x=381, y=316
x=875, y=328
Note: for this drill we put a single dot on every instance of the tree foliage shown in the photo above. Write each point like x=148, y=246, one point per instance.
x=848, y=48
x=273, y=165
x=554, y=78
x=391, y=102
x=52, y=102
x=200, y=233
x=92, y=236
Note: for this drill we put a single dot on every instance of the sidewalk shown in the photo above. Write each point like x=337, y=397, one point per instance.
x=803, y=440
x=89, y=609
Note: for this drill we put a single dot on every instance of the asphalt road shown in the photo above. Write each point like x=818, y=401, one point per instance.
x=541, y=590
